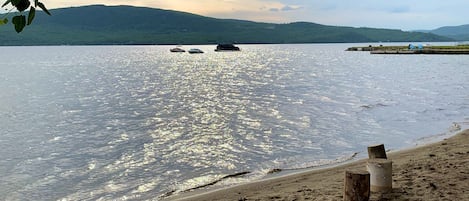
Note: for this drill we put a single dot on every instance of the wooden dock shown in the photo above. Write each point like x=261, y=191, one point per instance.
x=454, y=50
x=392, y=52
x=427, y=51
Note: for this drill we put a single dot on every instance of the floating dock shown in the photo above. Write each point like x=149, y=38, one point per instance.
x=428, y=51
x=458, y=49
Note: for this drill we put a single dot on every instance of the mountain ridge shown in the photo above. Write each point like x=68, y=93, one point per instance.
x=130, y=25
x=460, y=32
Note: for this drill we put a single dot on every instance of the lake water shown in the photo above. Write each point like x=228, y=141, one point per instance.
x=138, y=122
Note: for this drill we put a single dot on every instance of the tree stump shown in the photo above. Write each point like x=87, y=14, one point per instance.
x=380, y=175
x=357, y=185
x=377, y=151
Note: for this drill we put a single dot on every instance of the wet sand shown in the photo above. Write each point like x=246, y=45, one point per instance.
x=437, y=171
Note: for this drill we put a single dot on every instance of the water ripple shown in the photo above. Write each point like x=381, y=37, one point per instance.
x=136, y=122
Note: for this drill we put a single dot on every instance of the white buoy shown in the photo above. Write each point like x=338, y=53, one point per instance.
x=380, y=175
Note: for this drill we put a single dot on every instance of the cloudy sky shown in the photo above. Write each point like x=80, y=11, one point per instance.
x=396, y=14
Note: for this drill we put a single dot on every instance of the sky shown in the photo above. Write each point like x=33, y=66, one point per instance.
x=394, y=14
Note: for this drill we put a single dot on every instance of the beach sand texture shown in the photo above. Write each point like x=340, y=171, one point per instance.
x=437, y=171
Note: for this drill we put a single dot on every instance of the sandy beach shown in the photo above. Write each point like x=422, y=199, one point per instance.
x=437, y=171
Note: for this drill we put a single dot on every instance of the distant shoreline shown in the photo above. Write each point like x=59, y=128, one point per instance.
x=93, y=25
x=191, y=44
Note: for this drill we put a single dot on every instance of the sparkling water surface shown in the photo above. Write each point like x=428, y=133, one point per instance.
x=139, y=122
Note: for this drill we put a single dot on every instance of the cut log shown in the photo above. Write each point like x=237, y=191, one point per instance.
x=377, y=151
x=357, y=185
x=380, y=175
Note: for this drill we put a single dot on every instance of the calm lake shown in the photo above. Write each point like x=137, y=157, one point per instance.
x=138, y=122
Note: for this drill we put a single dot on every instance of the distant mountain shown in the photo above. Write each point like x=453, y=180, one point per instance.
x=99, y=24
x=460, y=33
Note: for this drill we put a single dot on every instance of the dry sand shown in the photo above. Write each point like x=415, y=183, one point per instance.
x=437, y=171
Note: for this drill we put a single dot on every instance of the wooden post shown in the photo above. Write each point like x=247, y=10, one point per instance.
x=357, y=185
x=380, y=175
x=377, y=151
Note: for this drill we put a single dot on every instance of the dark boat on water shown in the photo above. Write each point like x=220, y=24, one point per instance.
x=195, y=51
x=226, y=47
x=177, y=49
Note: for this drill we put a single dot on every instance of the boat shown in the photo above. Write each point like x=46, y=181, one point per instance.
x=226, y=47
x=195, y=51
x=177, y=49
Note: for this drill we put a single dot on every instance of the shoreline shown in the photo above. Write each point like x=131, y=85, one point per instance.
x=434, y=171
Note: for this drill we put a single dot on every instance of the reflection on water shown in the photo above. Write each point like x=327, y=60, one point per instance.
x=136, y=122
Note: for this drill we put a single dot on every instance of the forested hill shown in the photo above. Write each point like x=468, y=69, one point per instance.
x=460, y=33
x=98, y=24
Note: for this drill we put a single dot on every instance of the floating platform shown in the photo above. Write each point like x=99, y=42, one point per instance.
x=458, y=49
x=392, y=52
x=428, y=51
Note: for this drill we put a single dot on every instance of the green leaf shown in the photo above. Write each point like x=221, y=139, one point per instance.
x=6, y=3
x=15, y=2
x=32, y=13
x=22, y=5
x=20, y=22
x=43, y=7
x=4, y=21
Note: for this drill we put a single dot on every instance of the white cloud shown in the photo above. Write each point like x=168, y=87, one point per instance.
x=285, y=8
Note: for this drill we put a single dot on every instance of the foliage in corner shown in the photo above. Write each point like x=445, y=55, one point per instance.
x=19, y=20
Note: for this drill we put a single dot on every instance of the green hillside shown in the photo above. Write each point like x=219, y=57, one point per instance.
x=100, y=24
x=460, y=33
